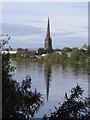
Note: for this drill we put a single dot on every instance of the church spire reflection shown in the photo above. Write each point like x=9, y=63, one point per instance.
x=47, y=72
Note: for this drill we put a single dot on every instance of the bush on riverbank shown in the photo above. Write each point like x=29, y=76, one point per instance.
x=74, y=107
x=18, y=101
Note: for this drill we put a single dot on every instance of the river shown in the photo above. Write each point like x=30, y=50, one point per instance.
x=52, y=81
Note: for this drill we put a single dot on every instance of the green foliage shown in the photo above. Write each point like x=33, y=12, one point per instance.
x=52, y=58
x=56, y=59
x=13, y=56
x=83, y=55
x=64, y=53
x=17, y=100
x=4, y=40
x=84, y=47
x=46, y=58
x=65, y=49
x=73, y=107
x=41, y=51
x=75, y=54
x=49, y=50
x=89, y=50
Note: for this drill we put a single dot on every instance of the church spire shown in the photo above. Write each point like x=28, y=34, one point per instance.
x=48, y=29
x=48, y=41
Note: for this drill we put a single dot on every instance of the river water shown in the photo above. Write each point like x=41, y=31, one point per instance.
x=52, y=81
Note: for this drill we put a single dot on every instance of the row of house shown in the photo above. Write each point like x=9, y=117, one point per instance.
x=29, y=53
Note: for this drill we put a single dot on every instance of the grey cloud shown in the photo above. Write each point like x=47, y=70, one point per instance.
x=66, y=33
x=38, y=21
x=18, y=30
x=21, y=30
x=63, y=34
x=84, y=27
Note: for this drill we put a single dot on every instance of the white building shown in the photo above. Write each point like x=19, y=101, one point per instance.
x=10, y=51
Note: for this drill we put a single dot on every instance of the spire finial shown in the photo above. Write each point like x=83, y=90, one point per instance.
x=48, y=18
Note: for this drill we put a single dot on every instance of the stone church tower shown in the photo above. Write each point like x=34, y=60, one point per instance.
x=48, y=40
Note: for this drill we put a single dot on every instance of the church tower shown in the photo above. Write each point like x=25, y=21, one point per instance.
x=48, y=41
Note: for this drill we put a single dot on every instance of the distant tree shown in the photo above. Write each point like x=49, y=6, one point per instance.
x=49, y=50
x=32, y=53
x=84, y=47
x=20, y=53
x=56, y=59
x=73, y=107
x=83, y=54
x=26, y=54
x=75, y=54
x=53, y=58
x=89, y=50
x=41, y=51
x=64, y=53
x=66, y=49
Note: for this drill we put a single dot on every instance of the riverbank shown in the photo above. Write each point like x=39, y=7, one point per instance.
x=53, y=58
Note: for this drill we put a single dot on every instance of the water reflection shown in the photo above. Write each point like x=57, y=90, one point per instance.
x=77, y=69
x=44, y=71
x=47, y=73
x=48, y=78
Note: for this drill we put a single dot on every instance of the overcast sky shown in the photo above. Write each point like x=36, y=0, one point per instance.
x=26, y=24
